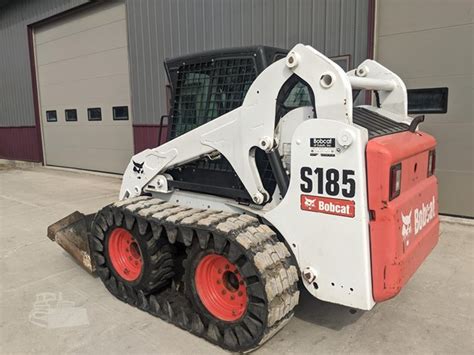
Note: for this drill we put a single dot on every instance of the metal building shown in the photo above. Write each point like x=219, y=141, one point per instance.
x=82, y=83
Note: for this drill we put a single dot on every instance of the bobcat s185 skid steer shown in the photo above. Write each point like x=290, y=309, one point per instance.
x=270, y=176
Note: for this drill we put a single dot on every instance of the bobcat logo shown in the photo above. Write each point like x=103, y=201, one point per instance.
x=309, y=202
x=406, y=228
x=138, y=168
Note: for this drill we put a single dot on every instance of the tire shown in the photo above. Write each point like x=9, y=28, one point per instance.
x=249, y=287
x=151, y=267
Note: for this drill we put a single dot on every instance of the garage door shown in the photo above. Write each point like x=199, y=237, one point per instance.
x=84, y=91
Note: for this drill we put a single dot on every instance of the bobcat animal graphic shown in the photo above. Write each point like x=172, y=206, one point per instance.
x=406, y=228
x=309, y=202
x=137, y=167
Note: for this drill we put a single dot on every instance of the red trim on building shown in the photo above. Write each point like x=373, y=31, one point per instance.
x=146, y=136
x=34, y=84
x=371, y=30
x=20, y=143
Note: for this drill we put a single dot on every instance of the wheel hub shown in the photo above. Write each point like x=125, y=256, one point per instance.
x=221, y=288
x=125, y=254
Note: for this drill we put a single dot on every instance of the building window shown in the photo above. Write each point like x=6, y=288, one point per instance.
x=71, y=114
x=120, y=113
x=94, y=114
x=344, y=61
x=51, y=116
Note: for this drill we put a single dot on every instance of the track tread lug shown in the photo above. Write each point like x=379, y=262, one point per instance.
x=183, y=320
x=219, y=243
x=118, y=216
x=130, y=201
x=109, y=216
x=143, y=225
x=129, y=220
x=155, y=305
x=187, y=234
x=156, y=229
x=253, y=325
x=203, y=238
x=103, y=272
x=136, y=207
x=97, y=244
x=100, y=220
x=99, y=258
x=142, y=301
x=172, y=233
x=169, y=310
x=213, y=332
x=243, y=336
x=149, y=211
x=234, y=253
x=165, y=213
x=176, y=218
x=230, y=339
x=196, y=324
x=98, y=233
x=193, y=220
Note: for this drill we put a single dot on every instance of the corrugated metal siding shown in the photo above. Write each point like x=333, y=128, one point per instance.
x=16, y=95
x=168, y=28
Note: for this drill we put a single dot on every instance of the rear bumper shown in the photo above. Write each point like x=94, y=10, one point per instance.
x=398, y=246
x=398, y=273
x=404, y=230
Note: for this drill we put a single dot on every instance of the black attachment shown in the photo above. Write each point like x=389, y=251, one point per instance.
x=415, y=122
x=428, y=100
x=278, y=171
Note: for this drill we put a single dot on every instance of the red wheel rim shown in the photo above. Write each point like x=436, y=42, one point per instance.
x=125, y=254
x=221, y=288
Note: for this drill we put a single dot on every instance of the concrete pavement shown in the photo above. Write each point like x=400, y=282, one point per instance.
x=433, y=314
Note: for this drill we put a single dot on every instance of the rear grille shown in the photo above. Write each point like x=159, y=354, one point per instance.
x=376, y=124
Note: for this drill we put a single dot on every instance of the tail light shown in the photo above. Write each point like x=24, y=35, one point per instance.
x=431, y=162
x=395, y=180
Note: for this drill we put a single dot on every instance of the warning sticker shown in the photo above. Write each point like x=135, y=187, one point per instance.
x=335, y=206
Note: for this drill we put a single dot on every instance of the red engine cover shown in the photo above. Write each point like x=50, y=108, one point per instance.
x=402, y=231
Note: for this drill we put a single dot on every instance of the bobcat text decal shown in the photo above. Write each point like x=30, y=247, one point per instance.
x=335, y=206
x=421, y=217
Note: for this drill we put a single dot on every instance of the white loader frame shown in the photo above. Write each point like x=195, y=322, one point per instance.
x=332, y=252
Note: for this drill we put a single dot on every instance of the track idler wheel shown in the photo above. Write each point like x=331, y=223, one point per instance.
x=129, y=258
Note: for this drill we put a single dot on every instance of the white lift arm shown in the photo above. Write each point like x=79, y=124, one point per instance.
x=236, y=134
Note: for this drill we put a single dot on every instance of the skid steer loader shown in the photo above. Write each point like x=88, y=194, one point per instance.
x=271, y=176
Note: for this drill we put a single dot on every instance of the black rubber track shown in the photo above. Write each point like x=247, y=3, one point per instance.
x=264, y=263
